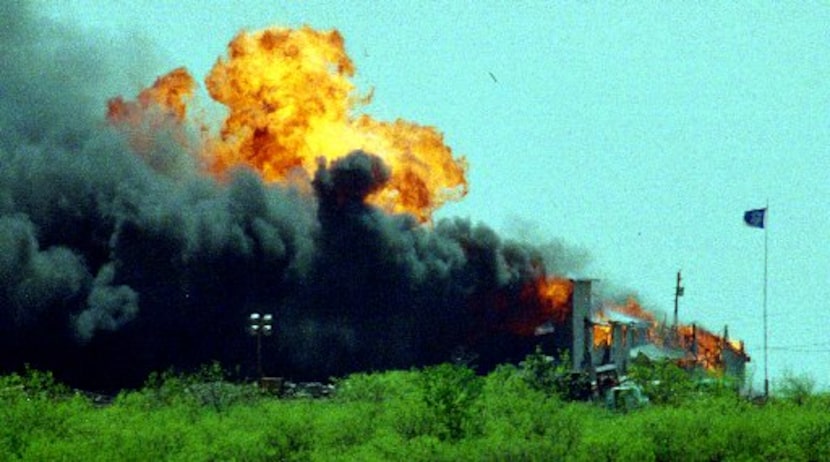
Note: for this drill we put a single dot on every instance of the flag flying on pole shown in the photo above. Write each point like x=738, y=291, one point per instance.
x=755, y=218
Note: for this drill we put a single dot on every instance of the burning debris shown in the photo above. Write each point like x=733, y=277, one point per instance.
x=145, y=242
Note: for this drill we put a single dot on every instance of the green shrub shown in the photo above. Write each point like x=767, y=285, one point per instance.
x=541, y=372
x=440, y=413
x=206, y=387
x=663, y=381
x=615, y=440
x=797, y=389
x=34, y=408
x=377, y=387
x=449, y=392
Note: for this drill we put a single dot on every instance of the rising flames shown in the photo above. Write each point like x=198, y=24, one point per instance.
x=160, y=107
x=705, y=349
x=555, y=294
x=547, y=299
x=290, y=102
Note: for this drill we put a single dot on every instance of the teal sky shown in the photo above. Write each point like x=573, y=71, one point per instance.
x=638, y=132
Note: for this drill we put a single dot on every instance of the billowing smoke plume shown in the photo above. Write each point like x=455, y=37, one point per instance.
x=113, y=265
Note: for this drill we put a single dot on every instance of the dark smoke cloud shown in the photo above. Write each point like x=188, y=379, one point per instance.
x=560, y=257
x=46, y=84
x=108, y=307
x=114, y=265
x=35, y=281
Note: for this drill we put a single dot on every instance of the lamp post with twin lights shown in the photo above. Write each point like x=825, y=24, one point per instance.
x=260, y=325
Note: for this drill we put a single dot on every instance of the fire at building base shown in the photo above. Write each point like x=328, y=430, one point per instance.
x=604, y=336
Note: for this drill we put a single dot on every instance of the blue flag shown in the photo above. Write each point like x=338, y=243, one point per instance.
x=755, y=218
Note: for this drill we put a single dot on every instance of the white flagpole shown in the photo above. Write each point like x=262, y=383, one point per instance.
x=766, y=331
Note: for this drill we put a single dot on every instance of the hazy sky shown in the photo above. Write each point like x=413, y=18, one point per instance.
x=638, y=131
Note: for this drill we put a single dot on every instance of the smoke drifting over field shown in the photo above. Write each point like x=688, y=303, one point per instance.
x=114, y=264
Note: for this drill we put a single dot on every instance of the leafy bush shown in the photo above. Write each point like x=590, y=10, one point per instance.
x=797, y=389
x=542, y=373
x=663, y=381
x=207, y=387
x=32, y=384
x=449, y=391
x=377, y=387
x=440, y=413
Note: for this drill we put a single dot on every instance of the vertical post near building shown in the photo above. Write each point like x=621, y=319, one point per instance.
x=757, y=218
x=694, y=342
x=678, y=292
x=766, y=331
x=581, y=325
x=260, y=325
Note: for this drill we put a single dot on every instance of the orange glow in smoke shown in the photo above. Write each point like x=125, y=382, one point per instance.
x=290, y=101
x=546, y=299
x=159, y=108
x=555, y=294
x=168, y=95
x=633, y=308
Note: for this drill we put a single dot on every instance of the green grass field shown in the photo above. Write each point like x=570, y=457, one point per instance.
x=440, y=413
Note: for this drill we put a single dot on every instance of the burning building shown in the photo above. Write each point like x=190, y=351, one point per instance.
x=143, y=241
x=604, y=334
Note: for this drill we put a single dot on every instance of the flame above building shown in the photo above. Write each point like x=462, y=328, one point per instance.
x=290, y=102
x=547, y=299
x=293, y=111
x=115, y=267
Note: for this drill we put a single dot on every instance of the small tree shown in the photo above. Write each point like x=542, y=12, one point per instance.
x=449, y=391
x=553, y=377
x=664, y=382
x=539, y=371
x=797, y=389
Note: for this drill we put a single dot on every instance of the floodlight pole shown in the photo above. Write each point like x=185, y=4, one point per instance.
x=259, y=325
x=259, y=354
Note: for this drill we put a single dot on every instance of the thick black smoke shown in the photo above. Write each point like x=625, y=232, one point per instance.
x=112, y=266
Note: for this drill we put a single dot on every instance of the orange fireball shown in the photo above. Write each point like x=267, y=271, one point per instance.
x=291, y=102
